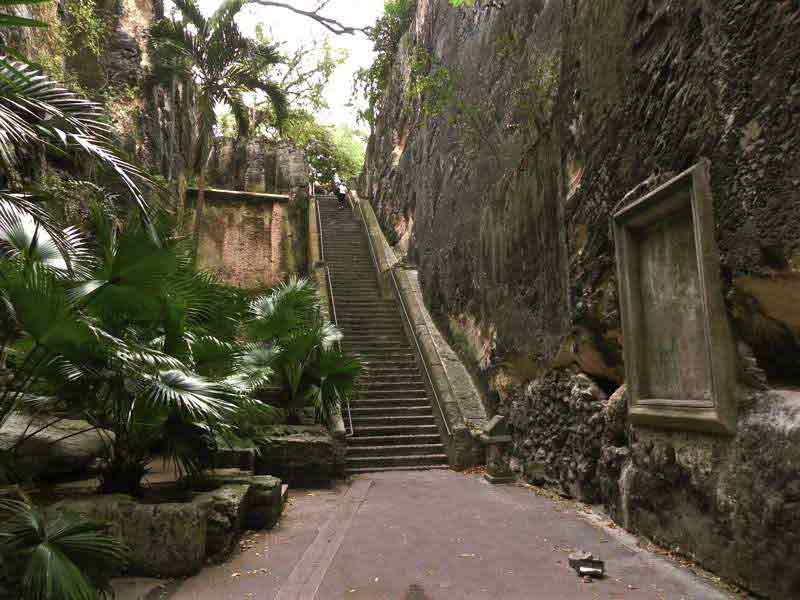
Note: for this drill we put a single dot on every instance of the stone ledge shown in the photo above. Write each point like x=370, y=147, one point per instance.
x=301, y=455
x=175, y=539
x=234, y=196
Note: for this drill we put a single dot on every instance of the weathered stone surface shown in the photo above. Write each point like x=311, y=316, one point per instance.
x=164, y=539
x=300, y=455
x=175, y=539
x=732, y=503
x=67, y=447
x=263, y=503
x=557, y=424
x=227, y=512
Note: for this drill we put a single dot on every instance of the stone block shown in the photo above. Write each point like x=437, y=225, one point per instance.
x=301, y=455
x=167, y=539
x=66, y=447
x=227, y=512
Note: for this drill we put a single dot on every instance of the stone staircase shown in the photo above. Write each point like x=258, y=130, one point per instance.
x=393, y=422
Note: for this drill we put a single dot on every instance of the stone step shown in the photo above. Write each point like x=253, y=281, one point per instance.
x=377, y=321
x=365, y=384
x=360, y=470
x=378, y=336
x=395, y=450
x=384, y=354
x=385, y=383
x=357, y=402
x=393, y=421
x=367, y=324
x=377, y=344
x=415, y=392
x=396, y=429
x=356, y=462
x=393, y=440
x=382, y=365
x=417, y=410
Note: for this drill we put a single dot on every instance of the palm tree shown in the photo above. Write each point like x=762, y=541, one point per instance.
x=287, y=323
x=115, y=338
x=222, y=65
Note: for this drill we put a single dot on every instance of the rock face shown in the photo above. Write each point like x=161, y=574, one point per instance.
x=558, y=423
x=301, y=455
x=64, y=448
x=534, y=122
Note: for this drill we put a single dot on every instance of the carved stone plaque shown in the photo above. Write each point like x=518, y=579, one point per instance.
x=679, y=356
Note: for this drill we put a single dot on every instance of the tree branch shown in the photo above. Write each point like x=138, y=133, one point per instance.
x=328, y=23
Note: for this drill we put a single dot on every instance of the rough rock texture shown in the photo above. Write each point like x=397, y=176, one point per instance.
x=557, y=424
x=301, y=455
x=500, y=184
x=226, y=516
x=67, y=447
x=259, y=165
x=164, y=539
x=263, y=503
x=175, y=539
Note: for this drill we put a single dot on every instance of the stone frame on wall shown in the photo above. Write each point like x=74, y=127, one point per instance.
x=675, y=220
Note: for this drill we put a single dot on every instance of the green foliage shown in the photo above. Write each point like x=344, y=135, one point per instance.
x=220, y=62
x=35, y=110
x=8, y=20
x=113, y=333
x=330, y=149
x=373, y=82
x=63, y=558
x=432, y=82
x=289, y=335
x=305, y=73
x=80, y=35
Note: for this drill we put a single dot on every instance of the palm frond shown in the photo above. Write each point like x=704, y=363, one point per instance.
x=66, y=558
x=254, y=368
x=191, y=13
x=291, y=305
x=27, y=235
x=192, y=395
x=27, y=231
x=36, y=110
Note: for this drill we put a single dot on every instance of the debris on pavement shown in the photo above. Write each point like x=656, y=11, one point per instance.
x=586, y=565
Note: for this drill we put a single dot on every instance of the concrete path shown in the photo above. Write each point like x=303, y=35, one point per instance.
x=437, y=535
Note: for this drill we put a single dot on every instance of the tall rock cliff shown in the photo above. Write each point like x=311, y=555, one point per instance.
x=505, y=139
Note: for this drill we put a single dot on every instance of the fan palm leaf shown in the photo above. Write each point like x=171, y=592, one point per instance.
x=254, y=368
x=65, y=558
x=27, y=235
x=291, y=305
x=333, y=376
x=190, y=394
x=35, y=110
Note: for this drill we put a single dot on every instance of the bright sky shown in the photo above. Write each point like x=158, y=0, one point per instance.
x=294, y=29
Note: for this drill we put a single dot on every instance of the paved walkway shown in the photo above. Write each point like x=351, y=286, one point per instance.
x=436, y=535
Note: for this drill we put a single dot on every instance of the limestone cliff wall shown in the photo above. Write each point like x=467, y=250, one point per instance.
x=499, y=180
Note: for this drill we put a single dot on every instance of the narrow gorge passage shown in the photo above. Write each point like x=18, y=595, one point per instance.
x=392, y=418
